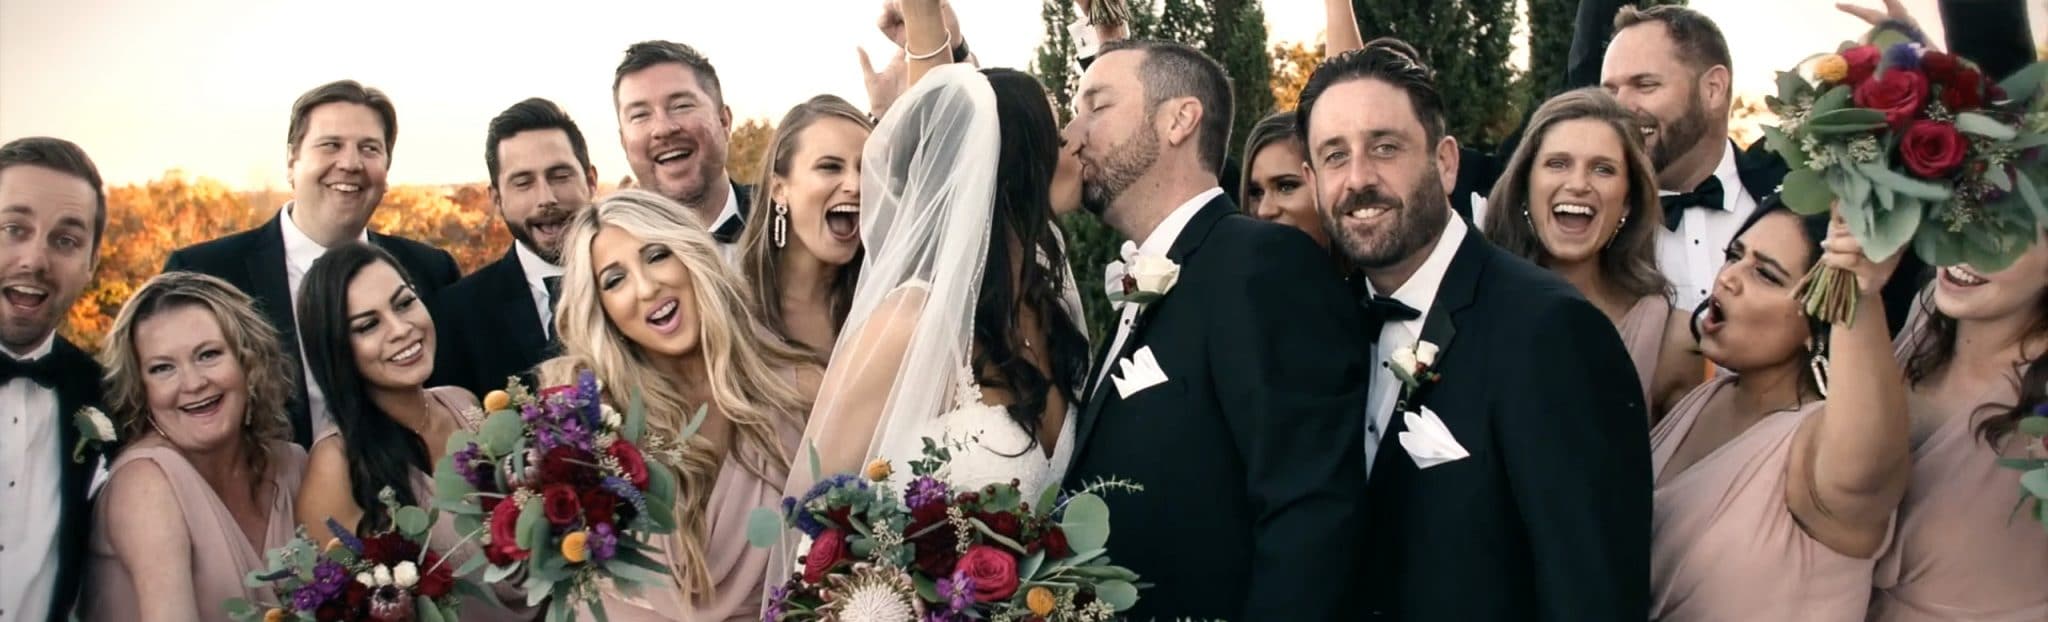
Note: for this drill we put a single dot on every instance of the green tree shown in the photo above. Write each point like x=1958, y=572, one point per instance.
x=1241, y=47
x=1468, y=44
x=1055, y=65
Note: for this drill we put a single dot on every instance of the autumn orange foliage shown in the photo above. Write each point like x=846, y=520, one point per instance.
x=145, y=222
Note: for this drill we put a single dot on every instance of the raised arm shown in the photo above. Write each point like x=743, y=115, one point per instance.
x=324, y=491
x=1680, y=368
x=1851, y=460
x=927, y=38
x=1341, y=28
x=146, y=527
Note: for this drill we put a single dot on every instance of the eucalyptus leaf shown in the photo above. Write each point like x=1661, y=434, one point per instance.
x=458, y=441
x=537, y=589
x=927, y=589
x=2029, y=193
x=1886, y=200
x=2028, y=141
x=498, y=574
x=471, y=591
x=532, y=527
x=1086, y=522
x=1888, y=34
x=470, y=567
x=998, y=538
x=1835, y=98
x=596, y=612
x=1846, y=121
x=451, y=490
x=635, y=420
x=1981, y=125
x=1806, y=192
x=2022, y=464
x=1784, y=146
x=1884, y=233
x=239, y=608
x=1103, y=573
x=411, y=521
x=633, y=573
x=1030, y=566
x=1857, y=189
x=1120, y=595
x=1046, y=501
x=817, y=472
x=1791, y=85
x=1887, y=178
x=2034, y=426
x=2025, y=83
x=426, y=610
x=2036, y=482
x=696, y=421
x=500, y=433
x=764, y=528
x=468, y=524
x=661, y=495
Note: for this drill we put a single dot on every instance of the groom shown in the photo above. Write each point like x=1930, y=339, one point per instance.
x=1231, y=393
x=1511, y=480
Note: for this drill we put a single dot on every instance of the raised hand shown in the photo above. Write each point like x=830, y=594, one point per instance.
x=1893, y=11
x=883, y=86
x=891, y=20
x=1841, y=250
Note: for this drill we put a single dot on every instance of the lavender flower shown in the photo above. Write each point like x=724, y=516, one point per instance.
x=529, y=414
x=603, y=543
x=1902, y=56
x=924, y=491
x=348, y=539
x=586, y=389
x=957, y=591
x=307, y=598
x=625, y=490
x=469, y=461
x=800, y=513
x=330, y=579
x=778, y=595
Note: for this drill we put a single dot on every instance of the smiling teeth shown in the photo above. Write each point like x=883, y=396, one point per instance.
x=345, y=187
x=32, y=291
x=665, y=312
x=201, y=404
x=409, y=352
x=668, y=155
x=1572, y=208
x=844, y=208
x=1965, y=277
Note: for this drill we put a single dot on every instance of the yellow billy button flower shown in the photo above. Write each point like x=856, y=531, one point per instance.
x=573, y=548
x=274, y=615
x=1040, y=601
x=332, y=543
x=496, y=401
x=878, y=470
x=1832, y=69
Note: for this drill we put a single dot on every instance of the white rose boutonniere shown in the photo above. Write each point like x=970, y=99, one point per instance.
x=1415, y=367
x=95, y=430
x=1142, y=279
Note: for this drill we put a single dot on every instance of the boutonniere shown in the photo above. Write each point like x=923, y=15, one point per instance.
x=1141, y=279
x=1415, y=367
x=95, y=431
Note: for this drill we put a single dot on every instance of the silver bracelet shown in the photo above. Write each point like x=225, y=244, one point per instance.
x=940, y=50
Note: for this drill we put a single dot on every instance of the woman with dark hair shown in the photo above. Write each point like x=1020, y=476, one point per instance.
x=1776, y=483
x=370, y=345
x=1275, y=186
x=1579, y=197
x=1973, y=354
x=800, y=250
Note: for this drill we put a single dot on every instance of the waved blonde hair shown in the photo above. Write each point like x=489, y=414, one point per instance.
x=748, y=367
x=265, y=367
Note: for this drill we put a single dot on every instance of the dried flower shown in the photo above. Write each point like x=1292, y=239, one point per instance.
x=496, y=401
x=573, y=548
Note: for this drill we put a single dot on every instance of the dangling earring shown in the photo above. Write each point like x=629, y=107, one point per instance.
x=1528, y=219
x=1819, y=364
x=1617, y=232
x=781, y=237
x=154, y=426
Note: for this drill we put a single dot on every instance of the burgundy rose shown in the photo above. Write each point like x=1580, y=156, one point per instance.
x=1055, y=543
x=560, y=504
x=1941, y=67
x=827, y=551
x=1898, y=94
x=841, y=516
x=504, y=547
x=440, y=581
x=1964, y=92
x=600, y=506
x=1004, y=523
x=935, y=556
x=1932, y=149
x=490, y=503
x=566, y=465
x=1862, y=63
x=329, y=612
x=993, y=570
x=631, y=463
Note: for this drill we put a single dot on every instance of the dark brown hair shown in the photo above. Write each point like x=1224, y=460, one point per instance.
x=64, y=157
x=1935, y=347
x=1630, y=258
x=650, y=53
x=1700, y=43
x=1170, y=70
x=1388, y=60
x=526, y=116
x=342, y=92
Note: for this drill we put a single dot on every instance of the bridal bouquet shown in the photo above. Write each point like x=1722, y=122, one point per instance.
x=387, y=577
x=557, y=485
x=1915, y=146
x=940, y=554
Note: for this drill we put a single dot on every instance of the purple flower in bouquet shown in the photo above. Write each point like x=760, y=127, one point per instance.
x=586, y=391
x=307, y=598
x=330, y=579
x=470, y=462
x=603, y=542
x=778, y=596
x=530, y=414
x=958, y=592
x=924, y=491
x=347, y=538
x=625, y=490
x=805, y=521
x=1902, y=56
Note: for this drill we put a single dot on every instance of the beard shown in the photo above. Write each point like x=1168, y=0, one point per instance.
x=1417, y=220
x=1681, y=134
x=523, y=233
x=1102, y=184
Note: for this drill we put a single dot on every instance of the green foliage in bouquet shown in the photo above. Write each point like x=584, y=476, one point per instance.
x=2033, y=468
x=388, y=576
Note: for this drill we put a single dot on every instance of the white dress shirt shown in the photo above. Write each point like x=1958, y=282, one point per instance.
x=300, y=251
x=32, y=471
x=1158, y=242
x=537, y=269
x=1692, y=255
x=730, y=250
x=1420, y=293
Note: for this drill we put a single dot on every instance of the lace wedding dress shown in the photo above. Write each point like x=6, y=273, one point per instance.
x=988, y=447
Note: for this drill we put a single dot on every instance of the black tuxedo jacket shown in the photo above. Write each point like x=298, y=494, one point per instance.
x=487, y=329
x=254, y=261
x=729, y=233
x=1251, y=452
x=78, y=386
x=1549, y=516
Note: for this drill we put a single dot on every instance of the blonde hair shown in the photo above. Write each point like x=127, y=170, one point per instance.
x=747, y=367
x=254, y=342
x=760, y=261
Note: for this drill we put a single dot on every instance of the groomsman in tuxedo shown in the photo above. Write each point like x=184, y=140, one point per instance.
x=674, y=126
x=499, y=321
x=1511, y=479
x=337, y=151
x=52, y=212
x=1231, y=394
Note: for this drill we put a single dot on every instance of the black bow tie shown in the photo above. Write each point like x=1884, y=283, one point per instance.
x=1708, y=195
x=1382, y=309
x=728, y=231
x=42, y=371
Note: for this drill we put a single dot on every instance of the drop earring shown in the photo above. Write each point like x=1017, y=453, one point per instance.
x=1818, y=363
x=1617, y=232
x=781, y=237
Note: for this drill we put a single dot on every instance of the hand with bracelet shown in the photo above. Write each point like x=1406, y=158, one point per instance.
x=897, y=24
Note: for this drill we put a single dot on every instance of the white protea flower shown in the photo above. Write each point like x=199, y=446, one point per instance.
x=366, y=579
x=871, y=594
x=405, y=575
x=382, y=574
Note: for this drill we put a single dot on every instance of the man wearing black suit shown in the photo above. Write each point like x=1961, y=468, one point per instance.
x=338, y=150
x=499, y=321
x=1514, y=484
x=1232, y=399
x=675, y=126
x=52, y=213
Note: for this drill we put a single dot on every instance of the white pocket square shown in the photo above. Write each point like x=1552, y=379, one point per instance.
x=1428, y=441
x=1141, y=372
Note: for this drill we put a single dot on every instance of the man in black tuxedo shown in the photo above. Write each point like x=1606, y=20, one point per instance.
x=675, y=126
x=52, y=212
x=499, y=321
x=1233, y=399
x=1516, y=484
x=337, y=151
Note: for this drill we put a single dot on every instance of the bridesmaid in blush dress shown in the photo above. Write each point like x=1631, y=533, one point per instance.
x=1777, y=482
x=1974, y=360
x=205, y=483
x=1585, y=206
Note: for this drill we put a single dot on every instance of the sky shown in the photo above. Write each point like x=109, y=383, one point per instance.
x=206, y=86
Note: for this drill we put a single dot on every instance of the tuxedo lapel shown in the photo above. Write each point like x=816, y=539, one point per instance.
x=517, y=321
x=1184, y=247
x=77, y=388
x=270, y=282
x=1460, y=286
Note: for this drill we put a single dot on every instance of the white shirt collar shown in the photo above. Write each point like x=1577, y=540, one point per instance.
x=1730, y=176
x=1420, y=290
x=732, y=207
x=1161, y=239
x=49, y=344
x=299, y=249
x=534, y=267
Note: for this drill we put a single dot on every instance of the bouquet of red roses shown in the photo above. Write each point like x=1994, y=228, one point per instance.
x=386, y=577
x=557, y=485
x=937, y=554
x=1913, y=145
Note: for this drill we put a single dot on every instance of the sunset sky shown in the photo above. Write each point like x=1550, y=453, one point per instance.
x=206, y=85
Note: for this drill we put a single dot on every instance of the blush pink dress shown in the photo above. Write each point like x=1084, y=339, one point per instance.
x=1642, y=331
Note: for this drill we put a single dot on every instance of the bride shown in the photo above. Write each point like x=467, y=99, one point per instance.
x=965, y=328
